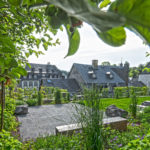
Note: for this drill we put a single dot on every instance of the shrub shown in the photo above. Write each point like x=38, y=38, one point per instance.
x=31, y=102
x=68, y=97
x=142, y=143
x=145, y=115
x=40, y=101
x=59, y=142
x=20, y=102
x=133, y=105
x=57, y=96
x=105, y=92
x=7, y=142
x=90, y=118
x=9, y=120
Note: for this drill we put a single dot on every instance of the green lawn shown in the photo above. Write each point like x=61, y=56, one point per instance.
x=121, y=103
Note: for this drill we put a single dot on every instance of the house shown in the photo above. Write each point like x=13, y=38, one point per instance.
x=38, y=72
x=69, y=84
x=49, y=76
x=144, y=77
x=136, y=83
x=105, y=76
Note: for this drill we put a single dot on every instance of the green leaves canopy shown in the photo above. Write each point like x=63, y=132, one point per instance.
x=137, y=14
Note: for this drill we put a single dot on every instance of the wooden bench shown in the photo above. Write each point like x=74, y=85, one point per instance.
x=117, y=123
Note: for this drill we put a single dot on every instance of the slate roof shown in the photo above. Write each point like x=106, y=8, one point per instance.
x=100, y=73
x=44, y=67
x=70, y=84
x=137, y=84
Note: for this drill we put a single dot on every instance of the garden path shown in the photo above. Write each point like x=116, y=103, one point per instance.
x=42, y=120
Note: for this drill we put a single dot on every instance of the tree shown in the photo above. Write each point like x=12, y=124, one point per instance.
x=105, y=63
x=17, y=25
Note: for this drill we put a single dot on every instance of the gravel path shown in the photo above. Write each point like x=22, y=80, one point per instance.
x=42, y=120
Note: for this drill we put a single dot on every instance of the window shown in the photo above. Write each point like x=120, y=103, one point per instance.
x=30, y=76
x=32, y=69
x=40, y=70
x=35, y=76
x=24, y=83
x=36, y=83
x=30, y=84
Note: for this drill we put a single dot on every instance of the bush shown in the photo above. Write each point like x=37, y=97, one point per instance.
x=10, y=123
x=57, y=96
x=7, y=142
x=31, y=102
x=57, y=143
x=18, y=102
x=145, y=115
x=10, y=104
x=9, y=120
x=40, y=102
x=139, y=144
x=133, y=105
x=68, y=97
x=90, y=118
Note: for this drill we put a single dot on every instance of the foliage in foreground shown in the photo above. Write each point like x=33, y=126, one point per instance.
x=56, y=142
x=8, y=142
x=90, y=118
x=140, y=144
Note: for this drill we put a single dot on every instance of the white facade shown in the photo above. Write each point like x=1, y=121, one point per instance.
x=145, y=78
x=30, y=84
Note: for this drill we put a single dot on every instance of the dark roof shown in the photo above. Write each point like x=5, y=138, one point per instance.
x=70, y=84
x=100, y=73
x=136, y=83
x=44, y=67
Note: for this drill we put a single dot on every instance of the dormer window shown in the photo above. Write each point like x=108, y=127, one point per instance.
x=32, y=69
x=109, y=75
x=40, y=70
x=91, y=74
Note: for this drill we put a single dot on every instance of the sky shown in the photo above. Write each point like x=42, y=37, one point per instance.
x=91, y=47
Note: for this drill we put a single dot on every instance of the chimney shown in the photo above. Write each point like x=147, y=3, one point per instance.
x=95, y=64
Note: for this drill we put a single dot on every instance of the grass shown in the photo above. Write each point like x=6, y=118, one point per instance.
x=122, y=103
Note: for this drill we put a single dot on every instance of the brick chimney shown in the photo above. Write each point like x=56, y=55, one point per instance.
x=95, y=64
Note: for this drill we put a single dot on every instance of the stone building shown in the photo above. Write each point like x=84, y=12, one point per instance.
x=144, y=77
x=106, y=76
x=39, y=72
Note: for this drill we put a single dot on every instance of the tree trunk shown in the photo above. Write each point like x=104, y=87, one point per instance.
x=2, y=96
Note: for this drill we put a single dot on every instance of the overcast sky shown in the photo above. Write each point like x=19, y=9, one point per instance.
x=91, y=47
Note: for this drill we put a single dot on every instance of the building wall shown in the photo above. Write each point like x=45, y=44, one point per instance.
x=29, y=83
x=145, y=78
x=74, y=74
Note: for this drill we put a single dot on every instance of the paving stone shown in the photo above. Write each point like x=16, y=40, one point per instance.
x=117, y=123
x=21, y=110
x=42, y=120
x=146, y=103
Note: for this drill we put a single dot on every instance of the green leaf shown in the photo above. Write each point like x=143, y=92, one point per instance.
x=101, y=21
x=14, y=2
x=28, y=65
x=27, y=55
x=143, y=33
x=104, y=3
x=20, y=70
x=74, y=41
x=1, y=62
x=2, y=79
x=137, y=14
x=10, y=62
x=45, y=45
x=14, y=74
x=114, y=37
